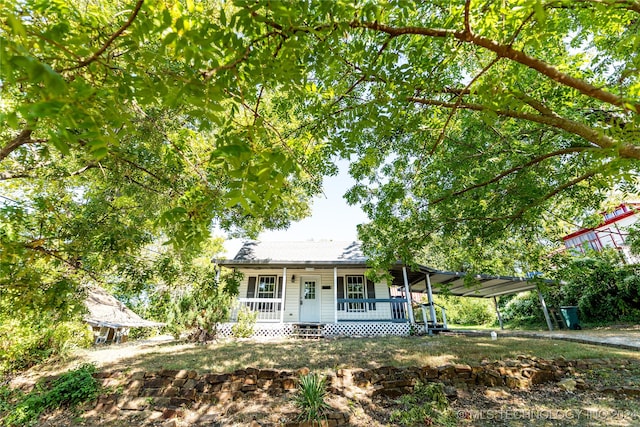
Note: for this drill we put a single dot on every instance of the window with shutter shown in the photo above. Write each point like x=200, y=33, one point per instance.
x=340, y=291
x=251, y=287
x=371, y=293
x=355, y=290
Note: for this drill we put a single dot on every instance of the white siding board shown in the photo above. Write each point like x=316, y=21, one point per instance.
x=327, y=301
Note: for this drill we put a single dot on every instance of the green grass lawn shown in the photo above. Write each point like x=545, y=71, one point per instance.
x=328, y=354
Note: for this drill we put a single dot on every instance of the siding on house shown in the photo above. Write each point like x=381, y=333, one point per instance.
x=325, y=291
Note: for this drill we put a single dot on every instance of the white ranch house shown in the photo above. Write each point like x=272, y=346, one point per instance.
x=321, y=287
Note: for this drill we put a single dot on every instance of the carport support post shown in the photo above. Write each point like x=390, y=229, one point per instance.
x=432, y=309
x=544, y=309
x=407, y=291
x=495, y=304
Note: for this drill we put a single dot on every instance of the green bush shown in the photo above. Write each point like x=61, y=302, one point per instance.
x=310, y=399
x=245, y=326
x=522, y=309
x=69, y=390
x=603, y=290
x=466, y=311
x=26, y=342
x=427, y=405
x=200, y=307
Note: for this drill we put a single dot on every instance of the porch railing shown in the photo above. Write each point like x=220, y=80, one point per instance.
x=268, y=309
x=372, y=309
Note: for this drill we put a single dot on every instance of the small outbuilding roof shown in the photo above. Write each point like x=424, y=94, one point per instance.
x=335, y=253
x=106, y=311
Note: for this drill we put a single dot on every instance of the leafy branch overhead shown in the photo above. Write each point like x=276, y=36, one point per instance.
x=132, y=122
x=468, y=119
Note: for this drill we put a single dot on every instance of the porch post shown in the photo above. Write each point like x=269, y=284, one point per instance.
x=407, y=291
x=335, y=294
x=495, y=304
x=544, y=309
x=430, y=296
x=284, y=294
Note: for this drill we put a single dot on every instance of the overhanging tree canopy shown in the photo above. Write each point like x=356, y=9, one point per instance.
x=465, y=121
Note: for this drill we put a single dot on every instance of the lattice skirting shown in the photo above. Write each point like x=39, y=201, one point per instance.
x=366, y=329
x=260, y=330
x=331, y=329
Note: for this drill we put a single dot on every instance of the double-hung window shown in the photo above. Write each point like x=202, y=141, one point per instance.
x=355, y=290
x=266, y=287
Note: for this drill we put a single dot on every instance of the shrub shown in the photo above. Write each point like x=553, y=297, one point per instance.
x=603, y=290
x=245, y=326
x=466, y=311
x=427, y=405
x=311, y=398
x=201, y=305
x=69, y=390
x=26, y=342
x=523, y=309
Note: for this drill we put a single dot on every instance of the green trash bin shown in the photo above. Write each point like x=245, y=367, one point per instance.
x=570, y=316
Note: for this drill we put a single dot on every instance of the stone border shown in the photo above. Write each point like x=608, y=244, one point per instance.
x=169, y=391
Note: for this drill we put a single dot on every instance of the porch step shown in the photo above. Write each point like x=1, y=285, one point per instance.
x=308, y=330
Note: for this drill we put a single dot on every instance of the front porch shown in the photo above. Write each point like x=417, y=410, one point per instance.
x=345, y=310
x=287, y=283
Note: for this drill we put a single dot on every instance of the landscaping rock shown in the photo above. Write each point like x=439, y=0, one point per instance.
x=568, y=384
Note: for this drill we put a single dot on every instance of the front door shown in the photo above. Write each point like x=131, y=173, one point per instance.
x=309, y=299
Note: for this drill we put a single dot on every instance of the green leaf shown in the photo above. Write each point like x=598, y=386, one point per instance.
x=16, y=25
x=539, y=11
x=170, y=38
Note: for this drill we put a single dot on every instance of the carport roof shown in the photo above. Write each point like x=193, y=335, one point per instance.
x=453, y=283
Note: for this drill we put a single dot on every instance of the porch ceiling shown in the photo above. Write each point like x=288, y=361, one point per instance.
x=484, y=286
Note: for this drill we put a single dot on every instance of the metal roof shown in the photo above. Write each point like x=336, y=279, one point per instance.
x=105, y=310
x=303, y=253
x=453, y=283
x=328, y=254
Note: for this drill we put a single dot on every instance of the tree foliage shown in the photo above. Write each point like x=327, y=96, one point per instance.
x=122, y=128
x=602, y=288
x=465, y=122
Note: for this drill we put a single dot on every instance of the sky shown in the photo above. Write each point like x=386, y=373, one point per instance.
x=331, y=217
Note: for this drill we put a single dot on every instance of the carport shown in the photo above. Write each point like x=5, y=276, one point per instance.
x=429, y=281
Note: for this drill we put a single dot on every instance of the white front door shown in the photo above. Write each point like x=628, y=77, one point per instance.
x=309, y=299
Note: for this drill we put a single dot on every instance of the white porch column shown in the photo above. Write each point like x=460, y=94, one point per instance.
x=432, y=308
x=335, y=294
x=284, y=293
x=407, y=291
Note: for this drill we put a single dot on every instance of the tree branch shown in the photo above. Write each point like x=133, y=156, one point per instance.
x=23, y=138
x=210, y=73
x=111, y=39
x=459, y=102
x=75, y=265
x=5, y=176
x=505, y=51
x=510, y=171
x=594, y=136
x=140, y=168
x=557, y=190
x=518, y=214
